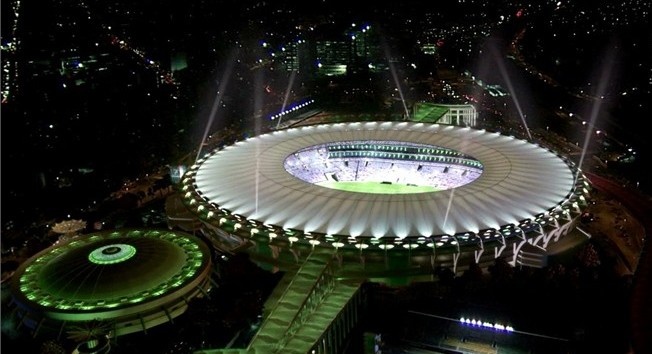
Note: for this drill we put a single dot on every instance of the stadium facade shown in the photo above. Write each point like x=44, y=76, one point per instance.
x=508, y=197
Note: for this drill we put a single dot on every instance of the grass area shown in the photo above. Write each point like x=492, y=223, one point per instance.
x=377, y=187
x=428, y=113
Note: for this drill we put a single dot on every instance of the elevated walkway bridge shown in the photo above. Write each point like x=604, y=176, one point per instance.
x=309, y=311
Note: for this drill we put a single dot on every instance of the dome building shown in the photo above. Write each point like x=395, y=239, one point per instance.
x=123, y=281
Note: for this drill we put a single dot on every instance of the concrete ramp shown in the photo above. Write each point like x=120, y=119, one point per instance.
x=305, y=311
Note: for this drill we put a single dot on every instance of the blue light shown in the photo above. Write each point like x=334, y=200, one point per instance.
x=485, y=324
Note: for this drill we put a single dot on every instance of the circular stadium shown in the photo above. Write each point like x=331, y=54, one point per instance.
x=124, y=281
x=428, y=194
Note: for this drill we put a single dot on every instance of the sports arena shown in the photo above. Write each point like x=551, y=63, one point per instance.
x=386, y=196
x=125, y=280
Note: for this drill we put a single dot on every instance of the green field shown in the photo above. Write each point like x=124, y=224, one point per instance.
x=377, y=187
x=428, y=112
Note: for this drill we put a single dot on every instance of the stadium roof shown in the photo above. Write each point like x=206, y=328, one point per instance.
x=121, y=277
x=520, y=181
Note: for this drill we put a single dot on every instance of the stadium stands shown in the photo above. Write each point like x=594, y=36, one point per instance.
x=393, y=162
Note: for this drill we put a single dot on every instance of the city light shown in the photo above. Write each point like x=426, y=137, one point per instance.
x=486, y=324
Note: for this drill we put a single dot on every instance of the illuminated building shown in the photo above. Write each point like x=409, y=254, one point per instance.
x=525, y=196
x=455, y=114
x=432, y=196
x=128, y=280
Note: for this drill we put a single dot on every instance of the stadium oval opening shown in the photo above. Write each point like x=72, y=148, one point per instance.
x=383, y=167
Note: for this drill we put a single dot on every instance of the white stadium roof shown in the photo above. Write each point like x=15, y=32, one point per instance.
x=520, y=181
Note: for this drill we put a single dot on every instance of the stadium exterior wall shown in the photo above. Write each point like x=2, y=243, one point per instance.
x=398, y=266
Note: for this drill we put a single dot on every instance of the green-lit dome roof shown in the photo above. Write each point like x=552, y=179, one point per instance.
x=110, y=275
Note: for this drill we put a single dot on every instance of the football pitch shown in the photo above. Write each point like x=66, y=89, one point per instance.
x=377, y=187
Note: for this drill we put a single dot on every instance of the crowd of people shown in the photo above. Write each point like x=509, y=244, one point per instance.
x=317, y=166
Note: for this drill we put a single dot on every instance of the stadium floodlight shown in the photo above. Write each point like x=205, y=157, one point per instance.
x=485, y=324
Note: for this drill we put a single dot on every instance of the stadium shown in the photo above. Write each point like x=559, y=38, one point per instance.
x=123, y=281
x=385, y=197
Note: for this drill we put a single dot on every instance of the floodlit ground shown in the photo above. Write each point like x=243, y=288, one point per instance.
x=377, y=188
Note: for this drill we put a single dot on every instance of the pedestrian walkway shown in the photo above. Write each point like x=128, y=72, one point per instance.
x=312, y=300
x=308, y=310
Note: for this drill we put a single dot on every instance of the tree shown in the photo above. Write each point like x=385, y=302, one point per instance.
x=445, y=275
x=588, y=256
x=501, y=271
x=91, y=334
x=52, y=347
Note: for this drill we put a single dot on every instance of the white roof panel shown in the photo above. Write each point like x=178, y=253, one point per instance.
x=520, y=180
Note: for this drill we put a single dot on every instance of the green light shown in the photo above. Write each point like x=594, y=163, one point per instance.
x=116, y=252
x=111, y=254
x=159, y=292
